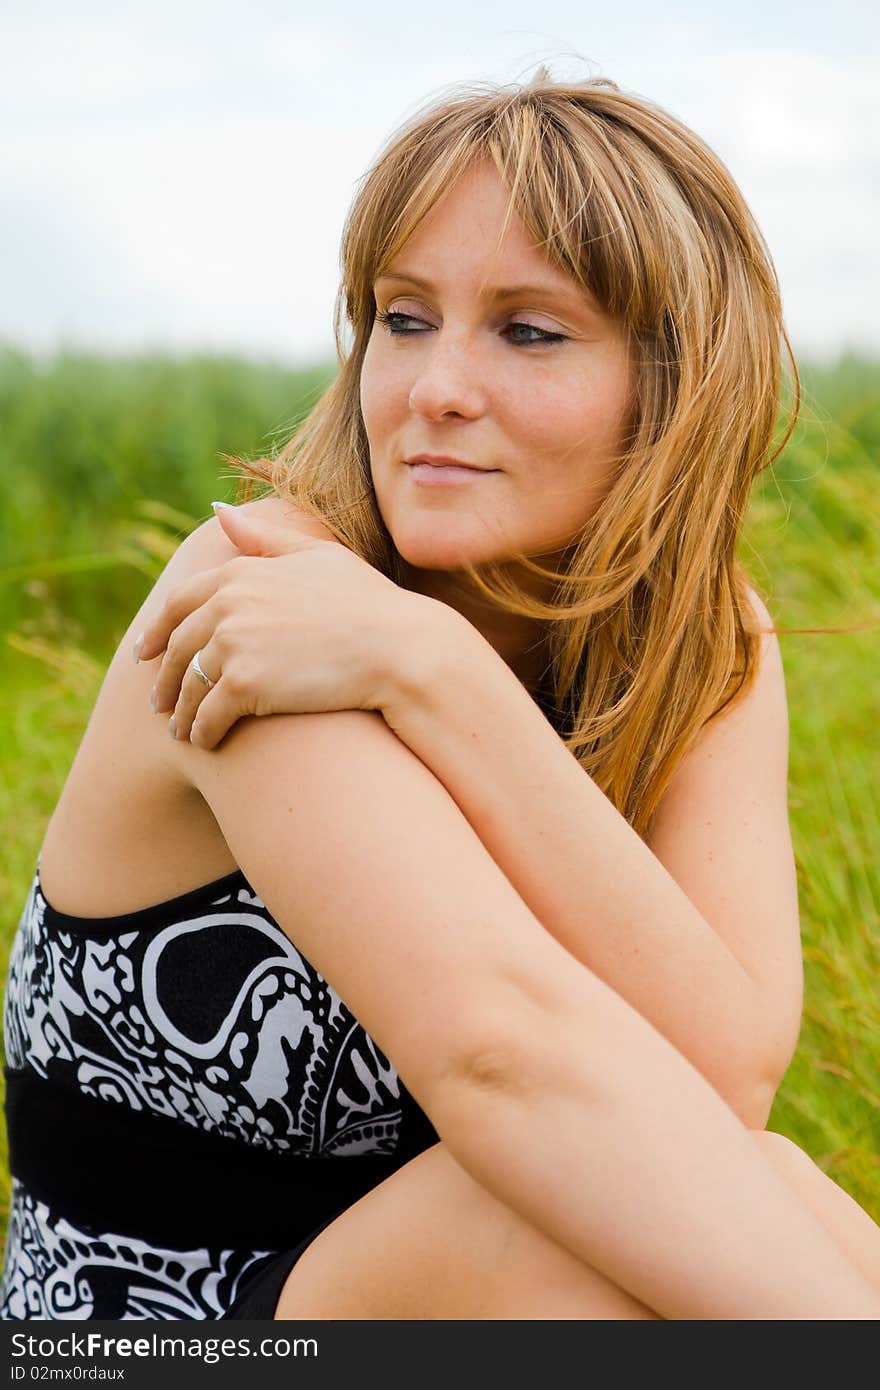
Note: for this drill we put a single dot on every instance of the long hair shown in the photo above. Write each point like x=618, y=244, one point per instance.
x=650, y=628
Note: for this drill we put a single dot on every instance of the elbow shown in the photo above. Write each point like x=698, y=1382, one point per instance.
x=756, y=1059
x=751, y=1090
x=752, y=1102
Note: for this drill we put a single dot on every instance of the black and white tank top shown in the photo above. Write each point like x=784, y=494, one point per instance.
x=185, y=1095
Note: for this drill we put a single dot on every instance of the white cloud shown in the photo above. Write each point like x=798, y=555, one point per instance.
x=180, y=173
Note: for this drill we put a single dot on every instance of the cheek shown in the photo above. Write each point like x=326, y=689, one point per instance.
x=384, y=390
x=576, y=441
x=367, y=387
x=597, y=410
x=572, y=429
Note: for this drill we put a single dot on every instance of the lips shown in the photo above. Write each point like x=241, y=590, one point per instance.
x=446, y=461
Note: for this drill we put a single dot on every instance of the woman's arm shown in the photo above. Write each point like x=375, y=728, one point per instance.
x=717, y=969
x=547, y=1087
x=699, y=931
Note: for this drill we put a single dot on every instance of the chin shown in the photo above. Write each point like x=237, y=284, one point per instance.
x=444, y=558
x=431, y=549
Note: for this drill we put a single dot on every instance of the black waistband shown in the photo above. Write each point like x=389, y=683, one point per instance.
x=107, y=1168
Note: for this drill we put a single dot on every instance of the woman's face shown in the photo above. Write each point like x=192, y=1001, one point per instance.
x=501, y=362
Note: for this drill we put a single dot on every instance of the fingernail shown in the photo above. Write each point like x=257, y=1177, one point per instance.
x=153, y=699
x=137, y=648
x=216, y=505
x=172, y=727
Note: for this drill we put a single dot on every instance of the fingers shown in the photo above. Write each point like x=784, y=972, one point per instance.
x=179, y=603
x=251, y=536
x=214, y=717
x=194, y=694
x=193, y=634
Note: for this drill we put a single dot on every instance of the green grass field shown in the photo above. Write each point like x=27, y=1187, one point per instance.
x=108, y=464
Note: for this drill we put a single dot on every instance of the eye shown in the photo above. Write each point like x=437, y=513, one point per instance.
x=393, y=321
x=543, y=335
x=391, y=318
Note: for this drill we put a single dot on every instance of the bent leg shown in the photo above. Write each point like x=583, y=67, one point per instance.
x=431, y=1243
x=850, y=1225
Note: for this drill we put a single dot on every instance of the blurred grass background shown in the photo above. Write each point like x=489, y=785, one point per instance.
x=110, y=462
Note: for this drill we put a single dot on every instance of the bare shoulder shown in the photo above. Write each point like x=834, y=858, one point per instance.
x=745, y=745
x=722, y=831
x=761, y=716
x=770, y=669
x=756, y=721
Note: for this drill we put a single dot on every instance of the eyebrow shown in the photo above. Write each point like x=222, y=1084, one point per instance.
x=493, y=292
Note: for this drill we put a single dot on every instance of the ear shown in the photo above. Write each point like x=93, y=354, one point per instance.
x=253, y=537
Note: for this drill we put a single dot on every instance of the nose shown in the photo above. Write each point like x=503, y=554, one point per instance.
x=448, y=380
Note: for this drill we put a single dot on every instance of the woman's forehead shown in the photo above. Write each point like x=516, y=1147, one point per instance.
x=473, y=226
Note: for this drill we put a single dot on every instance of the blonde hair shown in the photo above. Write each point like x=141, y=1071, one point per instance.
x=651, y=631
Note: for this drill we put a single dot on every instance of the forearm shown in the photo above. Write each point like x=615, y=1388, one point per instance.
x=583, y=871
x=599, y=1133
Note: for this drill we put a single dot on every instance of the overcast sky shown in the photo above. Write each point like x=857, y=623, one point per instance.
x=175, y=174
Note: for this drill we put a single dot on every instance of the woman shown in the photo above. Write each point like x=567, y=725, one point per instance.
x=488, y=1126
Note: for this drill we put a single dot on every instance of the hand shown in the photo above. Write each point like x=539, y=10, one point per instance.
x=295, y=625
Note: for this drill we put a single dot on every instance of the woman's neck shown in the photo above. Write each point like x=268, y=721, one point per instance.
x=520, y=642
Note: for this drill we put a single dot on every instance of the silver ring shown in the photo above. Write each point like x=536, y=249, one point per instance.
x=195, y=666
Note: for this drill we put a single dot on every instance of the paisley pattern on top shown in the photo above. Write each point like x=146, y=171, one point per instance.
x=202, y=1010
x=214, y=1018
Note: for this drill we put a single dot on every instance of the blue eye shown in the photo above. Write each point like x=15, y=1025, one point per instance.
x=543, y=335
x=390, y=320
x=393, y=315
